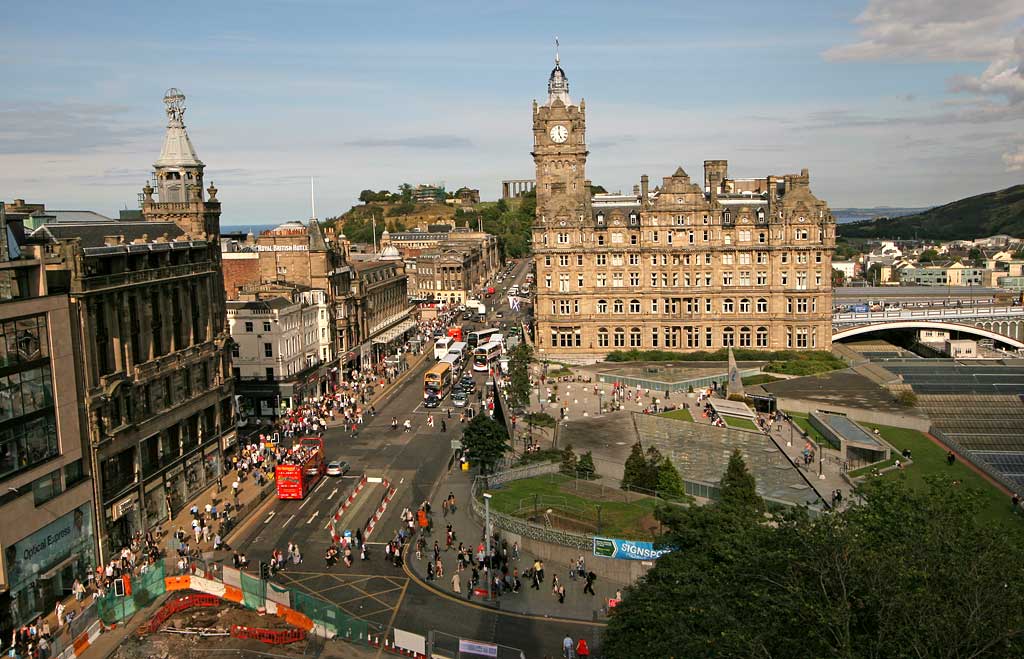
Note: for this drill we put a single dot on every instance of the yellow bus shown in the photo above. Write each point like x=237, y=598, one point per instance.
x=438, y=380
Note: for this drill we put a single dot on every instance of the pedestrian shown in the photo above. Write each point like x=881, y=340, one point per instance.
x=582, y=651
x=444, y=426
x=408, y=425
x=59, y=610
x=457, y=583
x=1015, y=500
x=567, y=647
x=560, y=592
x=950, y=458
x=591, y=578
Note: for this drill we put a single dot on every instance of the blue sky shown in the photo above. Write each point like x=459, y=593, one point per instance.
x=897, y=102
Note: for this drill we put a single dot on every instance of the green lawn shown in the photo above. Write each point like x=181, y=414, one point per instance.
x=680, y=414
x=618, y=518
x=760, y=378
x=739, y=422
x=930, y=460
x=804, y=423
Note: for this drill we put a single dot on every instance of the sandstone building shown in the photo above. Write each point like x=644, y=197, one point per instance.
x=147, y=306
x=685, y=266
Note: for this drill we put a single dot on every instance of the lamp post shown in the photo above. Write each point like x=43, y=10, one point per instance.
x=600, y=402
x=599, y=518
x=487, y=541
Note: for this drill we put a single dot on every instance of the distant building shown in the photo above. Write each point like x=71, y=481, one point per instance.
x=951, y=274
x=429, y=194
x=850, y=269
x=961, y=349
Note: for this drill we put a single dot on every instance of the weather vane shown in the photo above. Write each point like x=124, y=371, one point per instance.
x=175, y=102
x=556, y=50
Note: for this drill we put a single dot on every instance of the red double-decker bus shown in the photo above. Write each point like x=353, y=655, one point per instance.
x=296, y=480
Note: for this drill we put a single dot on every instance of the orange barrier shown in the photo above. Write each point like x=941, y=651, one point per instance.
x=178, y=605
x=233, y=594
x=294, y=618
x=269, y=636
x=177, y=583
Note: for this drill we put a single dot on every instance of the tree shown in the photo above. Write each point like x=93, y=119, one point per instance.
x=406, y=191
x=670, y=483
x=952, y=584
x=738, y=489
x=568, y=461
x=635, y=471
x=928, y=255
x=366, y=196
x=585, y=466
x=518, y=390
x=975, y=255
x=906, y=398
x=651, y=473
x=838, y=277
x=485, y=440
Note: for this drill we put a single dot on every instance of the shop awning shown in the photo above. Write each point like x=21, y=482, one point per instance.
x=390, y=335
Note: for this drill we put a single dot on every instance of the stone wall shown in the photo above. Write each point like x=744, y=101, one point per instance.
x=860, y=415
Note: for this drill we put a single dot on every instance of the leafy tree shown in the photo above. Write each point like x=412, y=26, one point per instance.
x=906, y=398
x=366, y=196
x=585, y=466
x=485, y=440
x=635, y=470
x=975, y=254
x=568, y=461
x=406, y=191
x=738, y=489
x=838, y=277
x=518, y=391
x=928, y=255
x=670, y=483
x=651, y=470
x=907, y=573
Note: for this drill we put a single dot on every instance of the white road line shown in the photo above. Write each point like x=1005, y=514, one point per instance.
x=322, y=483
x=270, y=516
x=333, y=492
x=290, y=518
x=303, y=504
x=315, y=515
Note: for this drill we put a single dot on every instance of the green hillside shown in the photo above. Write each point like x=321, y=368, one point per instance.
x=974, y=217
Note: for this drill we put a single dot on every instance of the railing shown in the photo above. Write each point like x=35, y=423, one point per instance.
x=927, y=314
x=964, y=453
x=131, y=277
x=177, y=359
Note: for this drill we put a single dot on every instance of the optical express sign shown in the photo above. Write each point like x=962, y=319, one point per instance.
x=627, y=549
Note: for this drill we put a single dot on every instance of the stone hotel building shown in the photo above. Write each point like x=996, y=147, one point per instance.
x=685, y=266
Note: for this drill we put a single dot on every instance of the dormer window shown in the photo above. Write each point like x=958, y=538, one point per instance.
x=633, y=219
x=726, y=217
x=600, y=219
x=760, y=215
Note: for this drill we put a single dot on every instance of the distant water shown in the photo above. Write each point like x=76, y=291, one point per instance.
x=245, y=228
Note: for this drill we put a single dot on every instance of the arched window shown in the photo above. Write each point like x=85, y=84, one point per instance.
x=727, y=305
x=762, y=337
x=602, y=337
x=762, y=305
x=744, y=337
x=634, y=306
x=728, y=337
x=745, y=305
x=618, y=307
x=634, y=337
x=602, y=306
x=620, y=337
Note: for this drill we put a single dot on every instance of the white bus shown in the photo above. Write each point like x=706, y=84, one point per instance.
x=481, y=337
x=441, y=347
x=455, y=360
x=486, y=355
x=458, y=348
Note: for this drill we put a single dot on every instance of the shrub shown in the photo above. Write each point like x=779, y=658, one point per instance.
x=906, y=398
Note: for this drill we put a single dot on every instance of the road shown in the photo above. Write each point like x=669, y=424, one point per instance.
x=414, y=462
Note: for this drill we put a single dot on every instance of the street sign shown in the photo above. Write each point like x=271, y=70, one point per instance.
x=478, y=648
x=456, y=444
x=603, y=547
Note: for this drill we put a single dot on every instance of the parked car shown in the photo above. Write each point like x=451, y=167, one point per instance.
x=338, y=468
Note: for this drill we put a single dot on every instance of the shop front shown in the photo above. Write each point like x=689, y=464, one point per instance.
x=42, y=567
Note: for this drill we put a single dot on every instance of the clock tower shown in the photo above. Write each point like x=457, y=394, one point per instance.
x=560, y=156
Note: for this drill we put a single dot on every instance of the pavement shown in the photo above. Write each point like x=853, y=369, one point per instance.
x=577, y=605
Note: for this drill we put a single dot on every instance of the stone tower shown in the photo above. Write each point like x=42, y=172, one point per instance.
x=179, y=180
x=560, y=156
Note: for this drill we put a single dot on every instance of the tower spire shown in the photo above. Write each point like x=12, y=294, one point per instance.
x=556, y=51
x=558, y=84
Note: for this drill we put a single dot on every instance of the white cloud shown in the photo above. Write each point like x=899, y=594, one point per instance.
x=1003, y=77
x=1014, y=160
x=950, y=30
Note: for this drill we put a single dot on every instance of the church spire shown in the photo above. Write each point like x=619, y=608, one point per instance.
x=558, y=84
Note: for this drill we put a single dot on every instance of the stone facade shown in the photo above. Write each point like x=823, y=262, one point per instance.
x=148, y=318
x=689, y=265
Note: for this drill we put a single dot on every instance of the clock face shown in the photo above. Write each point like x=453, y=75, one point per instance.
x=559, y=134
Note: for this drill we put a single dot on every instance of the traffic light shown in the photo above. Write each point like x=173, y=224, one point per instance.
x=264, y=571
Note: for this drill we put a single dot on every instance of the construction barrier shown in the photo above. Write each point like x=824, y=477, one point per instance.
x=82, y=642
x=177, y=606
x=389, y=493
x=332, y=526
x=268, y=636
x=178, y=583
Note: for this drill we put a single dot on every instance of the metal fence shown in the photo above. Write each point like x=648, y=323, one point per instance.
x=964, y=453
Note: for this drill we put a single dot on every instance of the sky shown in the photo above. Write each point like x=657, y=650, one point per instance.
x=886, y=102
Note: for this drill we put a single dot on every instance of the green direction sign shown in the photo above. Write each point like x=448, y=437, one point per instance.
x=604, y=547
x=456, y=444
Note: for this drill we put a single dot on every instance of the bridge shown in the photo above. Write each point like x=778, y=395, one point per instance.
x=1002, y=324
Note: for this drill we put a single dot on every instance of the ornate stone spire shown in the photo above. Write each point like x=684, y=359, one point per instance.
x=177, y=150
x=558, y=84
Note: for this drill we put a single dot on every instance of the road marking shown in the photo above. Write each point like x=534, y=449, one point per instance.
x=303, y=504
x=290, y=518
x=331, y=495
x=322, y=483
x=315, y=515
x=270, y=517
x=401, y=481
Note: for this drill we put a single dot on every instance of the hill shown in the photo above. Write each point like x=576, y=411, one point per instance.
x=357, y=222
x=974, y=217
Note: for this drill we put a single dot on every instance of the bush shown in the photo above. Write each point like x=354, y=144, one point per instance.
x=585, y=467
x=547, y=455
x=540, y=419
x=568, y=461
x=906, y=398
x=790, y=362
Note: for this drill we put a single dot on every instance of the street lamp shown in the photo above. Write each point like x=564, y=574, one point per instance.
x=487, y=540
x=599, y=518
x=600, y=402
